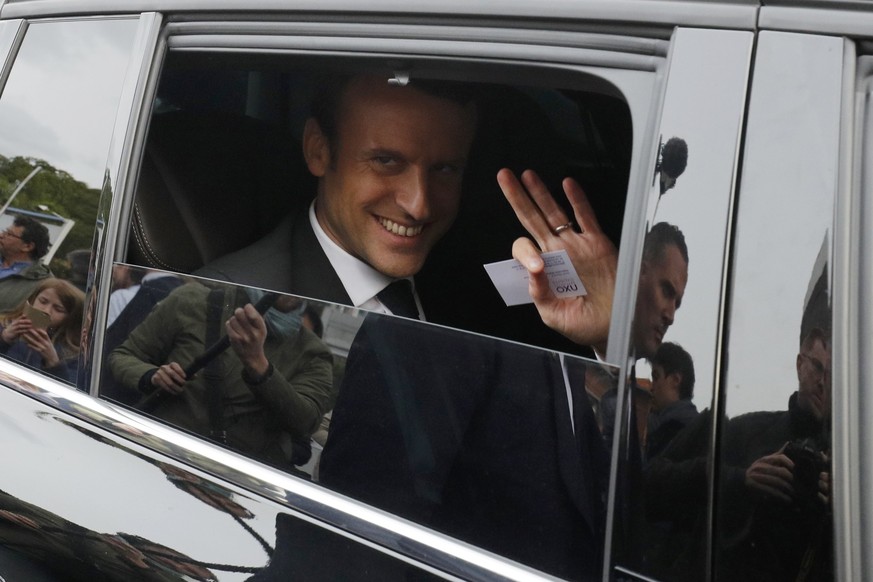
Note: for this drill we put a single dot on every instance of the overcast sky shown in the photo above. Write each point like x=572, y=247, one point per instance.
x=61, y=98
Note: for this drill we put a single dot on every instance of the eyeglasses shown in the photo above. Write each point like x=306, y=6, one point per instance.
x=8, y=232
x=818, y=367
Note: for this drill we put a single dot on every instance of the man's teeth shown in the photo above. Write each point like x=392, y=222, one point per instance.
x=399, y=229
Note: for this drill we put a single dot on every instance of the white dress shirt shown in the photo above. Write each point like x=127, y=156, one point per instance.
x=361, y=281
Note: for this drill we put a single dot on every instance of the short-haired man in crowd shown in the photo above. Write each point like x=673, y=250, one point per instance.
x=22, y=245
x=672, y=390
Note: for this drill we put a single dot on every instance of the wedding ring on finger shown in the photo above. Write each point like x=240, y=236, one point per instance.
x=558, y=230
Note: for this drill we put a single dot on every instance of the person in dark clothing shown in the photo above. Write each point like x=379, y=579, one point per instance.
x=153, y=288
x=672, y=390
x=777, y=482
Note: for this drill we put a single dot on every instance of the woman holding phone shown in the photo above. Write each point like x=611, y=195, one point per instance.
x=43, y=332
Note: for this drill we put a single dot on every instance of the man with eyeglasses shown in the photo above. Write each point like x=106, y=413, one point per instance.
x=777, y=476
x=22, y=245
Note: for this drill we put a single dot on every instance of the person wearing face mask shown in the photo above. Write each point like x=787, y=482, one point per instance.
x=43, y=331
x=274, y=382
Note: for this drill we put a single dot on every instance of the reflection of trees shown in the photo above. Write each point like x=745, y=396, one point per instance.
x=58, y=190
x=207, y=492
x=73, y=552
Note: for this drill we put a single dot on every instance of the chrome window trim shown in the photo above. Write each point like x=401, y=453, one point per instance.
x=8, y=53
x=111, y=201
x=740, y=14
x=760, y=170
x=628, y=274
x=393, y=46
x=404, y=540
x=497, y=34
x=857, y=21
x=853, y=368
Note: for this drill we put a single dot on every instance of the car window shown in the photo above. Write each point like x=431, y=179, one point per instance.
x=467, y=414
x=350, y=403
x=57, y=109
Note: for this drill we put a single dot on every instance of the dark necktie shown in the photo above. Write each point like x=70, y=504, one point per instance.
x=398, y=298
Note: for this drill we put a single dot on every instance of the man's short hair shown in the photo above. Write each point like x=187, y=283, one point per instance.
x=33, y=232
x=330, y=91
x=817, y=311
x=659, y=238
x=673, y=359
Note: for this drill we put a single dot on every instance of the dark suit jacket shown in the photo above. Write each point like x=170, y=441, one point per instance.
x=288, y=260
x=471, y=436
x=460, y=432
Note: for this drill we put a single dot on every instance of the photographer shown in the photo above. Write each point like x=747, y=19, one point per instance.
x=778, y=516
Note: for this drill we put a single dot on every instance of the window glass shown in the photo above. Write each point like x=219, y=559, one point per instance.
x=774, y=518
x=493, y=441
x=663, y=490
x=57, y=112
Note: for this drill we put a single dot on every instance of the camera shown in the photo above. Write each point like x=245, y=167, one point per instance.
x=809, y=460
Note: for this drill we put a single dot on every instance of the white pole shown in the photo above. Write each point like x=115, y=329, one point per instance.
x=18, y=188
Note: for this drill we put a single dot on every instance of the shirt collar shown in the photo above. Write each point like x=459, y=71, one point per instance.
x=361, y=281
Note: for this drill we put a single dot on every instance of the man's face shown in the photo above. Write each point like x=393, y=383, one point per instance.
x=662, y=285
x=814, y=378
x=391, y=189
x=11, y=244
x=665, y=387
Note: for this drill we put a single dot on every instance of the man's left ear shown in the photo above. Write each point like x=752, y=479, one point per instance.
x=316, y=148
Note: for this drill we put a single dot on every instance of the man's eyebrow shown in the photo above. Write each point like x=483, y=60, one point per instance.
x=373, y=152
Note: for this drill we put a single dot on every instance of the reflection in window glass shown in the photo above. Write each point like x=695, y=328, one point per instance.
x=57, y=112
x=774, y=518
x=493, y=442
x=663, y=476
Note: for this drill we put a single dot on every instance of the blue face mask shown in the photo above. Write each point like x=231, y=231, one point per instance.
x=283, y=324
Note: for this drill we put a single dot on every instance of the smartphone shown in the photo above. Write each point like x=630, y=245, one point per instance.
x=39, y=319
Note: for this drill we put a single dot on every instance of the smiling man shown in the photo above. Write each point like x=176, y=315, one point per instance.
x=389, y=161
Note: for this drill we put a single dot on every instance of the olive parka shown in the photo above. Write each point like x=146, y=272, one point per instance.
x=291, y=400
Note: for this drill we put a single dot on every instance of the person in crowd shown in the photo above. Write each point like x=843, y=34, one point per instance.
x=672, y=390
x=777, y=480
x=22, y=245
x=774, y=483
x=599, y=380
x=264, y=396
x=125, y=283
x=130, y=305
x=44, y=330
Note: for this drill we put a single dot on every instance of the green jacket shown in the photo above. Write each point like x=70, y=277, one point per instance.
x=14, y=289
x=291, y=401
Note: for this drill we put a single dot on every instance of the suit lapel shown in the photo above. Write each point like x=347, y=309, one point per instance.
x=312, y=275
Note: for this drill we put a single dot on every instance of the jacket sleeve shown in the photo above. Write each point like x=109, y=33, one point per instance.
x=300, y=390
x=150, y=343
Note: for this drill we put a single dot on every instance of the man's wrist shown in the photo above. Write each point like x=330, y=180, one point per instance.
x=252, y=377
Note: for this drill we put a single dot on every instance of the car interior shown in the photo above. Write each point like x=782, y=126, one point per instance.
x=222, y=166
